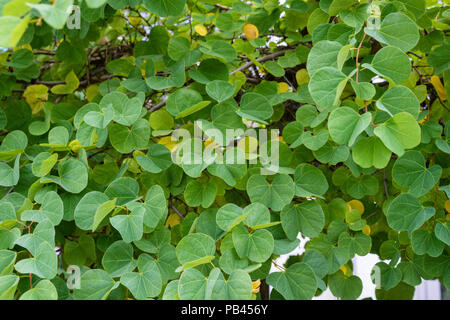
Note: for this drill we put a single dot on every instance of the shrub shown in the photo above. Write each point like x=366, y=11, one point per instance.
x=174, y=149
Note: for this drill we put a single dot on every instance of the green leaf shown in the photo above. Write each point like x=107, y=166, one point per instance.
x=130, y=226
x=124, y=189
x=87, y=208
x=73, y=175
x=371, y=151
x=399, y=99
x=273, y=195
x=425, y=242
x=178, y=48
x=14, y=143
x=410, y=171
x=118, y=259
x=43, y=263
x=55, y=15
x=125, y=111
x=9, y=176
x=43, y=163
x=405, y=213
x=220, y=90
x=157, y=159
x=345, y=125
x=363, y=90
x=307, y=218
x=238, y=286
x=125, y=139
x=44, y=290
x=8, y=286
x=218, y=48
x=360, y=244
x=323, y=54
x=147, y=282
x=195, y=247
x=197, y=194
x=399, y=133
x=257, y=246
x=326, y=86
x=392, y=63
x=387, y=275
x=165, y=8
x=182, y=100
x=7, y=260
x=255, y=106
x=95, y=284
x=230, y=171
x=442, y=232
x=298, y=282
x=347, y=288
x=438, y=58
x=192, y=285
x=396, y=29
x=52, y=209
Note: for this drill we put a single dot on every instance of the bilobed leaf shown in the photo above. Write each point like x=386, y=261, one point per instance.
x=410, y=171
x=55, y=15
x=298, y=282
x=399, y=99
x=391, y=63
x=257, y=246
x=345, y=125
x=44, y=290
x=326, y=86
x=158, y=158
x=396, y=29
x=130, y=226
x=95, y=284
x=194, y=247
x=405, y=213
x=399, y=133
x=309, y=181
x=255, y=106
x=307, y=218
x=274, y=195
x=165, y=8
x=371, y=151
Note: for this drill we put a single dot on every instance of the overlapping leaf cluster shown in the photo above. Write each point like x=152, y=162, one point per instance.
x=358, y=89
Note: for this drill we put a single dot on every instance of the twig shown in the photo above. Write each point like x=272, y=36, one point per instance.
x=176, y=210
x=262, y=59
x=357, y=57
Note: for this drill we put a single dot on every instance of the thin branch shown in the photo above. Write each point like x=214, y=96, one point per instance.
x=262, y=59
x=176, y=210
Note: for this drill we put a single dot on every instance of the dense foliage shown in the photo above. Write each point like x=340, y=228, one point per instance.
x=91, y=96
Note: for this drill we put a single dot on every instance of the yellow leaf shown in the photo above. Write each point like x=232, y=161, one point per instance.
x=447, y=217
x=173, y=220
x=170, y=143
x=366, y=230
x=250, y=31
x=71, y=85
x=357, y=205
x=255, y=286
x=282, y=87
x=437, y=84
x=36, y=95
x=343, y=268
x=302, y=77
x=447, y=205
x=201, y=30
x=91, y=92
x=75, y=145
x=135, y=21
x=248, y=144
